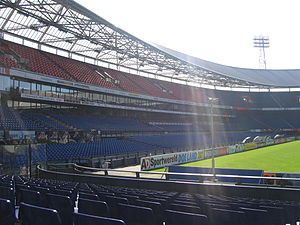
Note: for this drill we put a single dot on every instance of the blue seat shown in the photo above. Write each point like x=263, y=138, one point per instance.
x=185, y=208
x=35, y=215
x=112, y=203
x=64, y=207
x=256, y=216
x=162, y=201
x=131, y=198
x=156, y=209
x=291, y=213
x=206, y=207
x=226, y=217
x=7, y=212
x=30, y=197
x=102, y=194
x=278, y=214
x=20, y=187
x=186, y=202
x=179, y=218
x=43, y=198
x=93, y=207
x=88, y=196
x=8, y=193
x=69, y=193
x=136, y=215
x=83, y=219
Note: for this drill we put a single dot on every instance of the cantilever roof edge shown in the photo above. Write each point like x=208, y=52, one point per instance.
x=266, y=77
x=84, y=11
x=272, y=78
x=170, y=62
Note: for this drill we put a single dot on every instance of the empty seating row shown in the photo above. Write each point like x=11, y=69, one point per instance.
x=41, y=201
x=104, y=147
x=80, y=71
x=134, y=144
x=104, y=124
x=14, y=120
x=46, y=63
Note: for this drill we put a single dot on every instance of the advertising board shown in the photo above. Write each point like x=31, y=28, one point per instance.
x=158, y=161
x=235, y=148
x=221, y=151
x=249, y=146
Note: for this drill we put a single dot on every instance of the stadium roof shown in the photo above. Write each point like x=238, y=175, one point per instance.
x=70, y=28
x=273, y=78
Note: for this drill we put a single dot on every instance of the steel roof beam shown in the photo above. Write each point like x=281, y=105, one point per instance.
x=64, y=24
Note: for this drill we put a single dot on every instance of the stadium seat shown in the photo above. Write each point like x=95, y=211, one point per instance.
x=278, y=214
x=112, y=203
x=217, y=209
x=84, y=219
x=185, y=208
x=162, y=201
x=35, y=215
x=136, y=215
x=178, y=218
x=256, y=216
x=70, y=193
x=130, y=197
x=88, y=196
x=8, y=193
x=156, y=209
x=30, y=197
x=43, y=195
x=7, y=212
x=226, y=217
x=187, y=202
x=93, y=207
x=64, y=207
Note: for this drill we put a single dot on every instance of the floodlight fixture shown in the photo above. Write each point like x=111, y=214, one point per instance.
x=261, y=42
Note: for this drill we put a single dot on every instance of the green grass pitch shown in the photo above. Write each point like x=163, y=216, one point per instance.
x=276, y=158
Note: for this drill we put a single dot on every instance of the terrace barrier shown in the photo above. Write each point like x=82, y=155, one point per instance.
x=142, y=180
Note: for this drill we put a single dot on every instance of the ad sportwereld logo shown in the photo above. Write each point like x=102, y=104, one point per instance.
x=159, y=161
x=145, y=163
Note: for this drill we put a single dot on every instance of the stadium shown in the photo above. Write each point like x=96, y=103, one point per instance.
x=100, y=127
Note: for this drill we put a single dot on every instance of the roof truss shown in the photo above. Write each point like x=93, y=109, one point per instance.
x=65, y=25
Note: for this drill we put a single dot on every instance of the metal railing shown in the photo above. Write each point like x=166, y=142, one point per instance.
x=208, y=178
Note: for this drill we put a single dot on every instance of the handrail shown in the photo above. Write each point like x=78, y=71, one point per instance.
x=106, y=171
x=163, y=174
x=267, y=191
